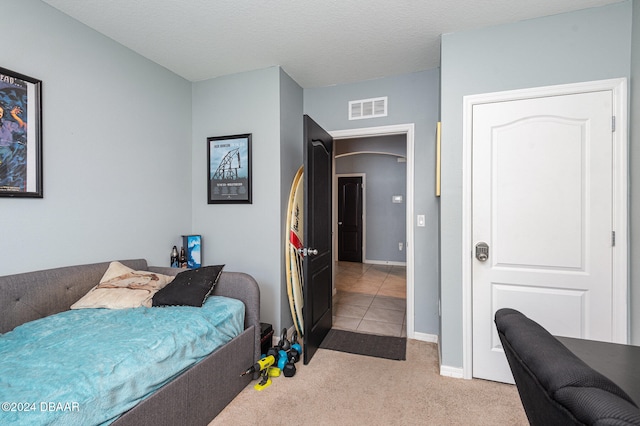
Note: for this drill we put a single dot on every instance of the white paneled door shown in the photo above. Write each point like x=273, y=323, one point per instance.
x=542, y=200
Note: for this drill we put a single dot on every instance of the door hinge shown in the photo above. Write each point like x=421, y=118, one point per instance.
x=613, y=123
x=613, y=238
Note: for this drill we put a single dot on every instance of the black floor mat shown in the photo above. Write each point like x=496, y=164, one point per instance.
x=366, y=344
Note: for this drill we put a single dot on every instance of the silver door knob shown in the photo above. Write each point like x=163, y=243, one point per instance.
x=482, y=252
x=307, y=251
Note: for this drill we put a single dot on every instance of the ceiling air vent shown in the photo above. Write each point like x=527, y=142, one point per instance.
x=368, y=108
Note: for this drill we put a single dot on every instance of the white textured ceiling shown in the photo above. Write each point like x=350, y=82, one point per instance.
x=317, y=42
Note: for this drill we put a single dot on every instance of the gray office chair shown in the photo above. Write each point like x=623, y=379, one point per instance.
x=555, y=386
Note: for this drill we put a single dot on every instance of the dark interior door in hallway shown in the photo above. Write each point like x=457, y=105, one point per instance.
x=350, y=219
x=317, y=265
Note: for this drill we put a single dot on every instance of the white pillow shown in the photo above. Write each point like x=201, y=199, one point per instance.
x=121, y=287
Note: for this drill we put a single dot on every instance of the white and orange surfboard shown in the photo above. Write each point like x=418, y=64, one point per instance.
x=293, y=257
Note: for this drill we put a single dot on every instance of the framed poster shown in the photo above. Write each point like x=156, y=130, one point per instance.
x=193, y=246
x=229, y=169
x=20, y=135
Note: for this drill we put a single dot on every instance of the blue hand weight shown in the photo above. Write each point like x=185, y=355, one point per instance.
x=282, y=359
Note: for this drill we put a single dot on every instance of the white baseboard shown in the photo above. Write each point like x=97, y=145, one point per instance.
x=384, y=262
x=455, y=372
x=424, y=337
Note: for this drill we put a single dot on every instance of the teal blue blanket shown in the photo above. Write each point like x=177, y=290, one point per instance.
x=88, y=366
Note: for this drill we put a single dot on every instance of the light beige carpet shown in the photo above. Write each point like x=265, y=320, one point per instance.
x=338, y=388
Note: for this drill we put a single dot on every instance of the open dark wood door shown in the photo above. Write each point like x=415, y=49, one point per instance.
x=350, y=219
x=318, y=288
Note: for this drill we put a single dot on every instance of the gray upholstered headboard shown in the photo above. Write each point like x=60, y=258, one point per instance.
x=32, y=295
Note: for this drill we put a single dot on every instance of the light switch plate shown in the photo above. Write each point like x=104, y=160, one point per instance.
x=421, y=220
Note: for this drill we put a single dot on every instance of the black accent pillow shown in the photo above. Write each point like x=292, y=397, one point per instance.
x=189, y=288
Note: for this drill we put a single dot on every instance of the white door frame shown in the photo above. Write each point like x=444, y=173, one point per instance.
x=620, y=201
x=408, y=131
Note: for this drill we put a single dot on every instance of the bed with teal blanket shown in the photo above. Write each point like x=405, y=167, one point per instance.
x=74, y=358
x=143, y=365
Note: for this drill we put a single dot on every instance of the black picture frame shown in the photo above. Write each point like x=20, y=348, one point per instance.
x=20, y=135
x=229, y=169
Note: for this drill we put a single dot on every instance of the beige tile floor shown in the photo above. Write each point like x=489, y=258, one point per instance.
x=370, y=299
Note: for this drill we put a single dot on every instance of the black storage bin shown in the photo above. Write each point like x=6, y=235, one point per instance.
x=266, y=337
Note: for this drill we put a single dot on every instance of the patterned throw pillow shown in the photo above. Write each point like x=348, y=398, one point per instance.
x=121, y=287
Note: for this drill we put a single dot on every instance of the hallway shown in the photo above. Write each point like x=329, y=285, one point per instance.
x=370, y=299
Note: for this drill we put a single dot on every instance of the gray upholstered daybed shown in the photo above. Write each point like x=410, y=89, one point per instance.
x=195, y=396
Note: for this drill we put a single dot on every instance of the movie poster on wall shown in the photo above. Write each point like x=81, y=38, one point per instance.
x=229, y=169
x=20, y=135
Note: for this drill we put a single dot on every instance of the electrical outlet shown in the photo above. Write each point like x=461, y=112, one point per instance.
x=400, y=246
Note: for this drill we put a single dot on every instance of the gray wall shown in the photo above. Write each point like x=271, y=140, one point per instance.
x=591, y=44
x=250, y=237
x=291, y=135
x=244, y=237
x=634, y=155
x=117, y=157
x=413, y=98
